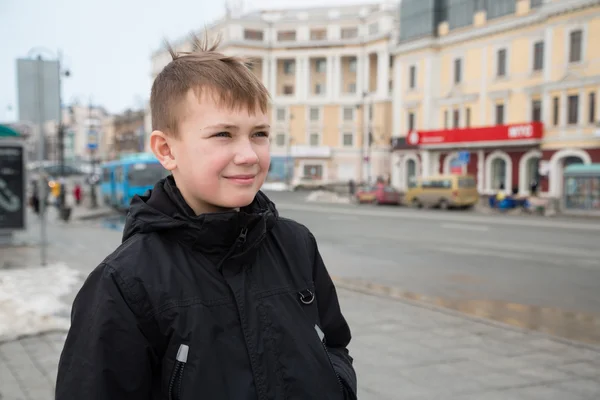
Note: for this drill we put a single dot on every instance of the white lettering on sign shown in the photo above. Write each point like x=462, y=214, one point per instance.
x=520, y=131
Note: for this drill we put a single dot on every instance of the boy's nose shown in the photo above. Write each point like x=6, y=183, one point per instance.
x=245, y=154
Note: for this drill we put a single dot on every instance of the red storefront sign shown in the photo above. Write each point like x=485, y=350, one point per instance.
x=498, y=133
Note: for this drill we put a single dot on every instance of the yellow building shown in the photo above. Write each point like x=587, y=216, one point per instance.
x=323, y=67
x=505, y=90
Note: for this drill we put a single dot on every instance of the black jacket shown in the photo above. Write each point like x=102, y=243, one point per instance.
x=231, y=305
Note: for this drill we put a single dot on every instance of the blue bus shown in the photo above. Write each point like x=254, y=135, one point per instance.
x=122, y=179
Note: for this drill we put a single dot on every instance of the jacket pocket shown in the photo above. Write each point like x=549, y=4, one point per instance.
x=175, y=384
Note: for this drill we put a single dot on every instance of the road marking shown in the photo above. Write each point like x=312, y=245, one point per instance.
x=466, y=227
x=441, y=217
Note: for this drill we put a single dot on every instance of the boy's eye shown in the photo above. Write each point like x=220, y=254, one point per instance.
x=262, y=134
x=223, y=134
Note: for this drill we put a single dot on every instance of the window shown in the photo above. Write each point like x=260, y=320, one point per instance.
x=555, y=106
x=349, y=33
x=286, y=36
x=318, y=34
x=352, y=64
x=536, y=110
x=538, y=56
x=348, y=139
x=314, y=139
x=313, y=171
x=391, y=61
x=352, y=87
x=373, y=28
x=573, y=109
x=253, y=34
x=412, y=79
x=499, y=114
x=314, y=114
x=411, y=121
x=457, y=70
x=321, y=65
x=575, y=38
x=318, y=88
x=289, y=67
x=288, y=89
x=468, y=118
x=592, y=105
x=446, y=119
x=456, y=118
x=501, y=63
x=281, y=114
x=370, y=112
x=348, y=114
x=143, y=174
x=280, y=139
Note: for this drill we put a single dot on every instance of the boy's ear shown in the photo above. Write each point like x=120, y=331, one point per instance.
x=160, y=146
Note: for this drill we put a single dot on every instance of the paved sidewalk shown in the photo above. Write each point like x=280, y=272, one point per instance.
x=401, y=351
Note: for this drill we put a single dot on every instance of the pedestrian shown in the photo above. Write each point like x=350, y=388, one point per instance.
x=35, y=198
x=77, y=193
x=211, y=294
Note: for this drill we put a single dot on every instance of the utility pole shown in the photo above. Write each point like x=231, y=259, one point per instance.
x=42, y=185
x=91, y=146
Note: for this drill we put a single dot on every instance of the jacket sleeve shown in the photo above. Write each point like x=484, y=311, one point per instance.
x=334, y=325
x=105, y=355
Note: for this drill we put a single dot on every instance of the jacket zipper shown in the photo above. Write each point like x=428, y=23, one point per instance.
x=239, y=242
x=177, y=377
x=322, y=340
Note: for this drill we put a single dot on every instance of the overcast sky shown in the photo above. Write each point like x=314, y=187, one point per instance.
x=106, y=44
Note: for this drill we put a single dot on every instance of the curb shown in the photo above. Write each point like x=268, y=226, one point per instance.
x=95, y=215
x=425, y=302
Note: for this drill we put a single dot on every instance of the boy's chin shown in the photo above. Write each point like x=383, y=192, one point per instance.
x=236, y=200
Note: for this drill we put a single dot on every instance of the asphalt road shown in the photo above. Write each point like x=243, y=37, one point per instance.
x=536, y=272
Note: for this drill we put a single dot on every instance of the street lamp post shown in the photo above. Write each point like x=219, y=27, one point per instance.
x=91, y=146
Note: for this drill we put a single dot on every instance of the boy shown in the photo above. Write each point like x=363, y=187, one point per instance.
x=211, y=295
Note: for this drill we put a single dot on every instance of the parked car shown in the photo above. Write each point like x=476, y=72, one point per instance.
x=444, y=191
x=308, y=183
x=379, y=194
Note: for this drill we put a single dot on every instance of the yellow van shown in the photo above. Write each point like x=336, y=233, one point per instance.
x=443, y=191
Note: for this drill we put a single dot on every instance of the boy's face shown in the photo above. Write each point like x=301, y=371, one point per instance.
x=220, y=157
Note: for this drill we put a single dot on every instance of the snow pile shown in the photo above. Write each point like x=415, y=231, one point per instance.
x=275, y=186
x=30, y=299
x=327, y=197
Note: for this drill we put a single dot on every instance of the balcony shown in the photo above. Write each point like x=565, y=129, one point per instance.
x=304, y=151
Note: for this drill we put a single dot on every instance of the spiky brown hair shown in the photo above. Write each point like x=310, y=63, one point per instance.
x=204, y=69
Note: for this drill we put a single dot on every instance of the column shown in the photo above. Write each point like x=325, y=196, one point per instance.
x=397, y=108
x=563, y=111
x=359, y=73
x=581, y=114
x=303, y=76
x=265, y=73
x=426, y=163
x=383, y=73
x=329, y=78
x=366, y=77
x=299, y=74
x=273, y=75
x=480, y=172
x=337, y=76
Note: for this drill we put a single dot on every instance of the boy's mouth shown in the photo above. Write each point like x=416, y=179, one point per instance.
x=241, y=179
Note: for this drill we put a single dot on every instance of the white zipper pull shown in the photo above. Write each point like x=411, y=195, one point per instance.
x=182, y=353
